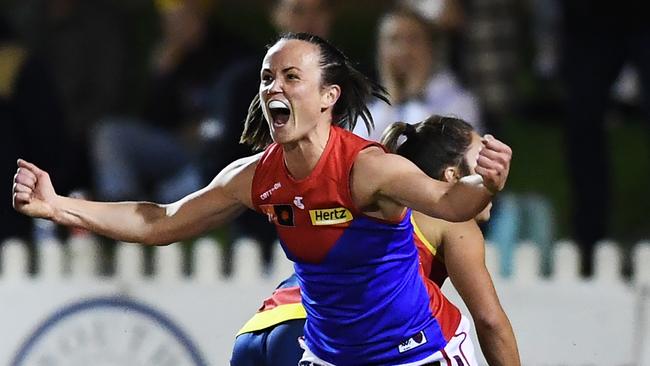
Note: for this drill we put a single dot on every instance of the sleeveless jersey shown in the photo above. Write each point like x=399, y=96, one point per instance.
x=363, y=290
x=434, y=268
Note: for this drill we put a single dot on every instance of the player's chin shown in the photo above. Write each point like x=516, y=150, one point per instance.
x=484, y=215
x=281, y=137
x=482, y=218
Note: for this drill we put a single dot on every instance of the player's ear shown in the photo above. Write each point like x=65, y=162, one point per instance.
x=450, y=174
x=330, y=95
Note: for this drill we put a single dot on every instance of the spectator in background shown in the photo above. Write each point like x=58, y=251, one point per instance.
x=154, y=154
x=82, y=41
x=488, y=51
x=310, y=16
x=599, y=38
x=488, y=54
x=412, y=64
x=32, y=119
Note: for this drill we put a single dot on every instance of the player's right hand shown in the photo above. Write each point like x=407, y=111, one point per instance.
x=493, y=163
x=33, y=193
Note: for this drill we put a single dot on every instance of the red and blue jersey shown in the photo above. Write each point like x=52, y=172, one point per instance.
x=364, y=292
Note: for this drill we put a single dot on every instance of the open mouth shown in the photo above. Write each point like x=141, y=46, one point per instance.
x=279, y=112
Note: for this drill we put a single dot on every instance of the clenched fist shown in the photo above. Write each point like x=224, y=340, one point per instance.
x=33, y=193
x=494, y=163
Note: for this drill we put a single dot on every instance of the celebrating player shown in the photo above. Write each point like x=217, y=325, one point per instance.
x=339, y=203
x=446, y=149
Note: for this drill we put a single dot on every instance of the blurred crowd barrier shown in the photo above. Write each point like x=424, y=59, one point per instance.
x=67, y=313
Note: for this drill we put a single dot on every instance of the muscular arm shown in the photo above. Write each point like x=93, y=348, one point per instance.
x=464, y=256
x=142, y=222
x=390, y=182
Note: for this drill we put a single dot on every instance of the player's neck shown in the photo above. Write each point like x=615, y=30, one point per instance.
x=302, y=156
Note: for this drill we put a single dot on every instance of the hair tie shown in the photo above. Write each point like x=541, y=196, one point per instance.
x=408, y=134
x=410, y=131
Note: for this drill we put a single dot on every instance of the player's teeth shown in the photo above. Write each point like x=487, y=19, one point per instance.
x=277, y=104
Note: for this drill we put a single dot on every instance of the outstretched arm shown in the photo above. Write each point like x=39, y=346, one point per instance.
x=141, y=222
x=464, y=256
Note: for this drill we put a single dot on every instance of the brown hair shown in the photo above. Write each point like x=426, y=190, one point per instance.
x=433, y=144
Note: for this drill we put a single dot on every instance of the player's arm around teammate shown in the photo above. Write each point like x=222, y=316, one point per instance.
x=383, y=184
x=139, y=222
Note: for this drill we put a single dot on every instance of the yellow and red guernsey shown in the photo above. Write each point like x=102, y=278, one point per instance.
x=283, y=305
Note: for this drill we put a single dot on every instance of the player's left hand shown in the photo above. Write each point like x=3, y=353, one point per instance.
x=493, y=163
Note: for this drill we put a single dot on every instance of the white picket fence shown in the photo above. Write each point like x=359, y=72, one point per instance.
x=58, y=315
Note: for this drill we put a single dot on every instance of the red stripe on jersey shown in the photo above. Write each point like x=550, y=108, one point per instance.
x=282, y=296
x=443, y=310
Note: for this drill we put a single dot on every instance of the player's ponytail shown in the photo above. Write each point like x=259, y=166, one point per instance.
x=396, y=134
x=256, y=132
x=434, y=144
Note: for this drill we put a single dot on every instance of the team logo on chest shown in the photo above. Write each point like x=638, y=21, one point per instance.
x=279, y=214
x=330, y=216
x=297, y=200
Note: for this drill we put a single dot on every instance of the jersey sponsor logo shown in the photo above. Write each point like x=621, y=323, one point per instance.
x=297, y=200
x=330, y=216
x=413, y=342
x=269, y=192
x=279, y=214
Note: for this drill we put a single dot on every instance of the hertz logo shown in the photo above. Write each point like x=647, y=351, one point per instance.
x=330, y=216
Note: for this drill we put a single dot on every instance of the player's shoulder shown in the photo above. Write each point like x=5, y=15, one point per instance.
x=376, y=159
x=243, y=168
x=236, y=179
x=247, y=162
x=432, y=228
x=463, y=232
x=371, y=154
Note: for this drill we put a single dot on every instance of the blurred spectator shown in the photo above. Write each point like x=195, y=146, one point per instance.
x=310, y=16
x=32, y=121
x=154, y=154
x=412, y=63
x=489, y=55
x=83, y=42
x=599, y=38
x=546, y=19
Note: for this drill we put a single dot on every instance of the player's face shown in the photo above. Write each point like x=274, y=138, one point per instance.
x=471, y=157
x=292, y=98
